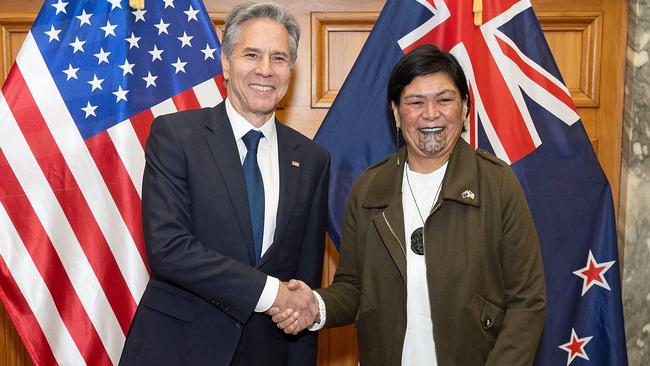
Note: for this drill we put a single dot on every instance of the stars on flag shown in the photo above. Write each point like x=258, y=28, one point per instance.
x=105, y=52
x=90, y=110
x=156, y=53
x=593, y=273
x=77, y=45
x=102, y=56
x=185, y=40
x=191, y=13
x=139, y=15
x=84, y=18
x=60, y=7
x=208, y=52
x=109, y=29
x=95, y=83
x=133, y=41
x=53, y=34
x=120, y=94
x=179, y=65
x=115, y=4
x=162, y=27
x=71, y=72
x=126, y=67
x=150, y=79
x=575, y=347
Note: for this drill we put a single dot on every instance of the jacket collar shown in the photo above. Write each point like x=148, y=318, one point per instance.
x=223, y=146
x=460, y=184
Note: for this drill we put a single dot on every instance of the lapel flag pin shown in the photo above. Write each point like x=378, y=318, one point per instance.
x=468, y=194
x=295, y=164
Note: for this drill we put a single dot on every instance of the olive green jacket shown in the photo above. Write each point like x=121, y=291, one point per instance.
x=484, y=268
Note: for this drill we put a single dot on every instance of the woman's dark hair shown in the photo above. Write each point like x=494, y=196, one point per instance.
x=425, y=60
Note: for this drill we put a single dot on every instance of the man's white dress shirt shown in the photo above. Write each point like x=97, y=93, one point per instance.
x=267, y=159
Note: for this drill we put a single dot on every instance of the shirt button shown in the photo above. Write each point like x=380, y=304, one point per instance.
x=237, y=324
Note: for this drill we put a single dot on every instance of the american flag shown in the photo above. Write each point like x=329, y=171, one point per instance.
x=523, y=113
x=75, y=112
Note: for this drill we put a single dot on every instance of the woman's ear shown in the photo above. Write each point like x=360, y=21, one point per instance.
x=394, y=106
x=465, y=112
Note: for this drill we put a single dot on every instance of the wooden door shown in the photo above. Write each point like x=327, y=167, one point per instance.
x=333, y=31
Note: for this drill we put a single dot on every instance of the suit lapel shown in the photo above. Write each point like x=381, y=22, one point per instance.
x=226, y=156
x=289, y=179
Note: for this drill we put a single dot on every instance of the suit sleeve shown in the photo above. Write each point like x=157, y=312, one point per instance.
x=174, y=253
x=303, y=348
x=341, y=298
x=523, y=279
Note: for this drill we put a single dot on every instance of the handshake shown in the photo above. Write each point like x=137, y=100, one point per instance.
x=295, y=307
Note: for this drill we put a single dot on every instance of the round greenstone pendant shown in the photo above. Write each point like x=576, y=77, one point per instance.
x=417, y=241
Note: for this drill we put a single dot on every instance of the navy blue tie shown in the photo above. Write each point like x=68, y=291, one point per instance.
x=255, y=189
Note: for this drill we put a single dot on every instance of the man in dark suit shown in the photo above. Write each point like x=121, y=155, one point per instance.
x=233, y=205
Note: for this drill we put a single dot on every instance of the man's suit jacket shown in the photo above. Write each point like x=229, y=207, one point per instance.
x=198, y=308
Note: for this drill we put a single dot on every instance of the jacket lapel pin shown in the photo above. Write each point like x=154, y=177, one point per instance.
x=468, y=194
x=295, y=164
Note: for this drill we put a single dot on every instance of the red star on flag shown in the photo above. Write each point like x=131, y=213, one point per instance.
x=575, y=347
x=593, y=274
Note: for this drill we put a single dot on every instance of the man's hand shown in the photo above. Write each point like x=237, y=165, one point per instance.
x=295, y=307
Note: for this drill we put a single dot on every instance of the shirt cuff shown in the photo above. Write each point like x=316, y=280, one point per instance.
x=269, y=293
x=321, y=310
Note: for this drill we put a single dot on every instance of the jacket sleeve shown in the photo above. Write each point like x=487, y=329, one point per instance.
x=523, y=277
x=341, y=298
x=175, y=255
x=303, y=348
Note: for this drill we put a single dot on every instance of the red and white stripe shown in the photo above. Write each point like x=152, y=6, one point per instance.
x=72, y=262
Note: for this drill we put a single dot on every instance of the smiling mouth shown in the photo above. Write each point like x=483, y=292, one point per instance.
x=431, y=130
x=261, y=88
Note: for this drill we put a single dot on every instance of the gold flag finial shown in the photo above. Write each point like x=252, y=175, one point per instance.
x=136, y=4
x=478, y=12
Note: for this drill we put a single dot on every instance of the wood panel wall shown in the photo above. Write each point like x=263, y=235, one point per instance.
x=587, y=38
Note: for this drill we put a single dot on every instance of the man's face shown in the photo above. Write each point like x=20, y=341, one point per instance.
x=259, y=69
x=430, y=115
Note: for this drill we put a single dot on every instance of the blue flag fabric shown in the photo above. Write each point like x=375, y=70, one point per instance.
x=523, y=113
x=122, y=47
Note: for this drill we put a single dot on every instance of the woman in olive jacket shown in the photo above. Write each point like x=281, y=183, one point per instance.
x=440, y=263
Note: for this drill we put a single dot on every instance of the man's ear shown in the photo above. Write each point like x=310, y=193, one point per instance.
x=225, y=66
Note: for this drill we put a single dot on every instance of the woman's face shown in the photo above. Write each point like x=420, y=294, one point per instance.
x=430, y=114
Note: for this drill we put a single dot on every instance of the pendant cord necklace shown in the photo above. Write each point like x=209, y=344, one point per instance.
x=417, y=237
